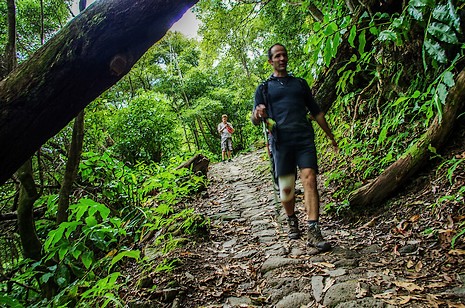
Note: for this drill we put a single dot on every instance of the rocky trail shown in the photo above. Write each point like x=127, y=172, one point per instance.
x=385, y=260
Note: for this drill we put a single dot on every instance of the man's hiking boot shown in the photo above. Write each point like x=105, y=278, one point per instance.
x=293, y=223
x=315, y=239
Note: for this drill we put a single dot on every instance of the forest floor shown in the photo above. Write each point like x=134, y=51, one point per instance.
x=398, y=255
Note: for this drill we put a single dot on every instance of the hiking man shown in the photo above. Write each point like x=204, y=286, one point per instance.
x=287, y=100
x=225, y=129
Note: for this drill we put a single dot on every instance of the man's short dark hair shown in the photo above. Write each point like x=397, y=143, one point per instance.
x=270, y=55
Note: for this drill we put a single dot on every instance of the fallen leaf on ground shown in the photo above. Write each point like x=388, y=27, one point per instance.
x=409, y=286
x=457, y=252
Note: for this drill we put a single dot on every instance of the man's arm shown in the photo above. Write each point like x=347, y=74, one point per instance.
x=321, y=120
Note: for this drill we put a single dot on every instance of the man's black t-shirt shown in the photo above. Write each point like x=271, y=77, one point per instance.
x=288, y=100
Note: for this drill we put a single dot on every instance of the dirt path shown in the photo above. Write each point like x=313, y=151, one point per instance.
x=248, y=260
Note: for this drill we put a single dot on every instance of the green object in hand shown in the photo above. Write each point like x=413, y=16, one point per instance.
x=270, y=123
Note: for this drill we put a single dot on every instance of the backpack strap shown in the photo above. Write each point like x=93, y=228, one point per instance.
x=264, y=88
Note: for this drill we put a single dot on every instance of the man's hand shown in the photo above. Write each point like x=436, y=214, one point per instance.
x=260, y=112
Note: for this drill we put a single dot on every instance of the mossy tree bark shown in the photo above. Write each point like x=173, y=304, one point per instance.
x=86, y=57
x=72, y=164
x=32, y=247
x=396, y=174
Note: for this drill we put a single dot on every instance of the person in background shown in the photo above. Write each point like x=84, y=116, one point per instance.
x=225, y=129
x=287, y=100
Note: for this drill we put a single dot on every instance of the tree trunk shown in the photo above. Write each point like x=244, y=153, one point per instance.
x=204, y=134
x=74, y=157
x=94, y=51
x=10, y=56
x=32, y=247
x=395, y=175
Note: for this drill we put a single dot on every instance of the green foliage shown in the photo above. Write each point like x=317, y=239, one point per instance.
x=111, y=179
x=441, y=23
x=28, y=23
x=83, y=256
x=144, y=129
x=384, y=105
x=167, y=265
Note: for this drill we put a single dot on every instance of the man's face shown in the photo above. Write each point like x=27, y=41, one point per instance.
x=279, y=58
x=225, y=119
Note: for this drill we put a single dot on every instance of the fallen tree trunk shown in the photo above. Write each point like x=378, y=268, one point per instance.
x=37, y=213
x=395, y=175
x=198, y=164
x=90, y=54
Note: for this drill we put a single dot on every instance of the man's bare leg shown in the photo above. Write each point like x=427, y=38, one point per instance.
x=311, y=196
x=312, y=206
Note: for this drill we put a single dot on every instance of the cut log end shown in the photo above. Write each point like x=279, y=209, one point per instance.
x=119, y=65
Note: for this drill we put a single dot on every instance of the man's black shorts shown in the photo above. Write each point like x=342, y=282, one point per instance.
x=287, y=157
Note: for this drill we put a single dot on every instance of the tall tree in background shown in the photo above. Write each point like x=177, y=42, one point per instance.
x=74, y=157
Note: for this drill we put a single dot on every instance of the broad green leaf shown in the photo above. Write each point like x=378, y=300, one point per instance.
x=416, y=94
x=71, y=227
x=46, y=277
x=443, y=32
x=435, y=51
x=53, y=237
x=361, y=42
x=442, y=93
x=87, y=259
x=336, y=42
x=135, y=254
x=365, y=15
x=316, y=26
x=400, y=100
x=76, y=252
x=113, y=277
x=397, y=22
x=110, y=297
x=374, y=30
x=383, y=134
x=441, y=13
x=415, y=13
x=447, y=14
x=387, y=35
x=448, y=79
x=63, y=251
x=353, y=33
x=331, y=28
x=91, y=221
x=328, y=53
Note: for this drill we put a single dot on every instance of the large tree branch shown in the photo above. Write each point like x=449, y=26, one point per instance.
x=89, y=55
x=395, y=175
